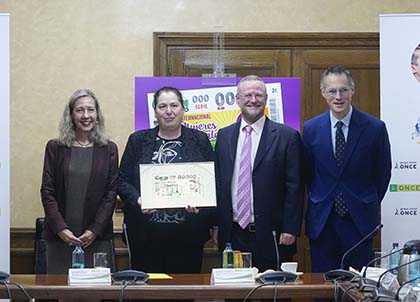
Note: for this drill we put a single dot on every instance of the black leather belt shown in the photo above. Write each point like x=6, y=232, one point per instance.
x=249, y=228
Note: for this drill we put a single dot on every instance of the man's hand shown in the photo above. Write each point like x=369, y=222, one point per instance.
x=287, y=239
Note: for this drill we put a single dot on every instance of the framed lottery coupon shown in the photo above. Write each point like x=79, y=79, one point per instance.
x=165, y=186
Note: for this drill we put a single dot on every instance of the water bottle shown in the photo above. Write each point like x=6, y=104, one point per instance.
x=414, y=268
x=78, y=257
x=394, y=259
x=228, y=259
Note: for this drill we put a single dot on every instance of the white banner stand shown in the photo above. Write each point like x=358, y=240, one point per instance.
x=400, y=109
x=4, y=145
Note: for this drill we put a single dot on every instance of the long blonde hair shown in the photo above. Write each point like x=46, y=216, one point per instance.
x=67, y=134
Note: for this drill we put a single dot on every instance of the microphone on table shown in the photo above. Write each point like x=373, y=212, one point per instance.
x=369, y=284
x=277, y=276
x=273, y=232
x=5, y=280
x=378, y=284
x=382, y=294
x=129, y=276
x=341, y=273
x=4, y=277
x=397, y=295
x=381, y=257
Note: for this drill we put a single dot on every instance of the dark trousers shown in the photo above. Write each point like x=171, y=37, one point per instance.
x=245, y=241
x=339, y=235
x=163, y=258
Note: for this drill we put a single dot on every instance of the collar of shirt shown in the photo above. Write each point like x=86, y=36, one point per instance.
x=345, y=119
x=258, y=126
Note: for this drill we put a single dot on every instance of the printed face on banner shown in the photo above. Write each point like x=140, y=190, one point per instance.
x=338, y=93
x=252, y=99
x=415, y=69
x=415, y=63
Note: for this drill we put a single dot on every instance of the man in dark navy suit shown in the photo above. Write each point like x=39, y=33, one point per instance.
x=259, y=180
x=348, y=168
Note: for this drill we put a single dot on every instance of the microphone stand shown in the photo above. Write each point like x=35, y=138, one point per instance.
x=378, y=284
x=381, y=257
x=277, y=276
x=365, y=284
x=381, y=294
x=129, y=276
x=341, y=273
x=397, y=295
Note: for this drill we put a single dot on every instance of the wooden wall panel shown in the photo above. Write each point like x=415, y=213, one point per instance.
x=267, y=63
x=364, y=64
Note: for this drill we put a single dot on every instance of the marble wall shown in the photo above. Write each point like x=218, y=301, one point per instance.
x=59, y=46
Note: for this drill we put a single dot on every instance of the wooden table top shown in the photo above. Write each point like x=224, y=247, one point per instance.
x=192, y=286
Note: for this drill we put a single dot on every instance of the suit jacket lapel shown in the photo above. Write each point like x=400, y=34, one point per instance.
x=356, y=128
x=326, y=140
x=232, y=143
x=268, y=136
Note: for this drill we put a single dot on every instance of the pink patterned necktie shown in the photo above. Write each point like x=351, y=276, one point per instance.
x=244, y=181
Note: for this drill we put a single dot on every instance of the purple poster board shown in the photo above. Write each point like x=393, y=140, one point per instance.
x=290, y=96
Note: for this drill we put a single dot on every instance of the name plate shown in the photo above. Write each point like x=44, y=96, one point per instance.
x=89, y=276
x=373, y=272
x=221, y=276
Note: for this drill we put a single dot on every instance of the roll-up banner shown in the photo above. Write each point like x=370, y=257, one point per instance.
x=4, y=145
x=400, y=110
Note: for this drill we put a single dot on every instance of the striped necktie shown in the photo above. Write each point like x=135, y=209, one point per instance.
x=244, y=181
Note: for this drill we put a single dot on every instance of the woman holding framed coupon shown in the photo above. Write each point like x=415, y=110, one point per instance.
x=164, y=240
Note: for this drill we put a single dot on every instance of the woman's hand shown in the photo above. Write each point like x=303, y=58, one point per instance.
x=145, y=211
x=191, y=209
x=87, y=238
x=68, y=237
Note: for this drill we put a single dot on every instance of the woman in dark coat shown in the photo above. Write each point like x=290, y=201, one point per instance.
x=170, y=240
x=79, y=184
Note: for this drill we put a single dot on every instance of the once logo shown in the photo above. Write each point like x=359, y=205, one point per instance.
x=404, y=187
x=406, y=211
x=406, y=165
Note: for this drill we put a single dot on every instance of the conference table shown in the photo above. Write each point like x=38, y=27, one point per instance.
x=191, y=286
